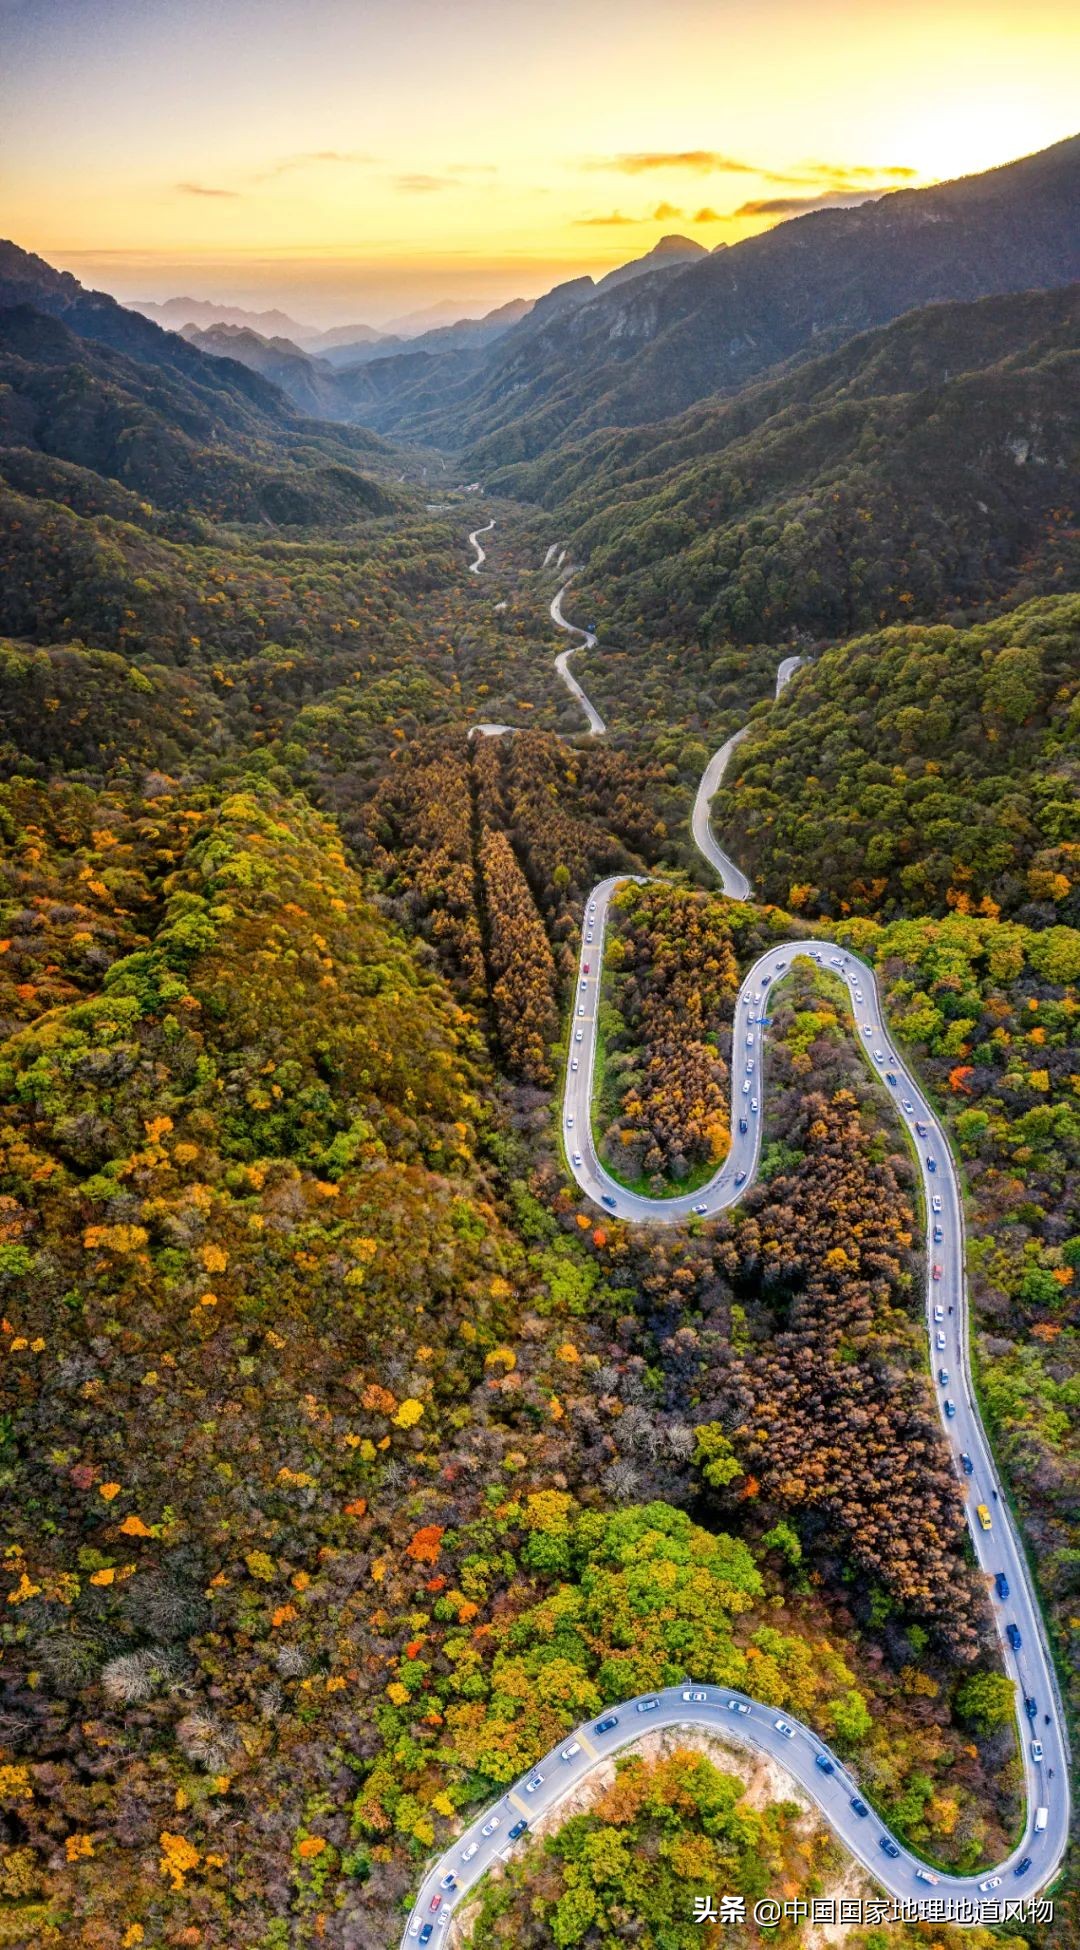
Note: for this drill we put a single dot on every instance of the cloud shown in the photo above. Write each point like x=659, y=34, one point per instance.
x=307, y=158
x=616, y=217
x=665, y=210
x=419, y=184
x=709, y=216
x=203, y=189
x=702, y=162
x=795, y=206
x=840, y=173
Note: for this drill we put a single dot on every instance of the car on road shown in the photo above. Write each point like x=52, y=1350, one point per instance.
x=753, y=1105
x=581, y=1008
x=986, y=1521
x=1022, y=1868
x=749, y=1066
x=935, y=1202
x=605, y=1725
x=860, y=1807
x=609, y=1202
x=939, y=1313
x=449, y=1881
x=931, y=1163
x=750, y=1040
x=890, y=1078
x=574, y=1063
x=569, y=1120
x=568, y=1752
x=879, y=1056
x=943, y=1377
x=700, y=1210
x=579, y=1034
x=785, y=1727
x=1001, y=1585
x=518, y=1829
x=857, y=993
x=779, y=966
x=584, y=983
x=746, y=1088
x=1012, y=1633
x=435, y=1903
x=740, y=1177
x=834, y=961
x=908, y=1105
x=490, y=1826
x=966, y=1463
x=920, y=1129
x=825, y=1764
x=938, y=1235
x=737, y=1705
x=1031, y=1707
x=577, y=1157
x=950, y=1410
x=696, y=1697
x=939, y=1342
x=426, y=1932
x=1036, y=1750
x=886, y=1842
x=992, y=1882
x=648, y=1705
x=534, y=1781
x=936, y=1271
x=468, y=1853
x=743, y=1126
x=585, y=969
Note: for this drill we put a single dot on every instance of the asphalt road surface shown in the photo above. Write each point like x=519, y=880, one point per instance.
x=998, y=1552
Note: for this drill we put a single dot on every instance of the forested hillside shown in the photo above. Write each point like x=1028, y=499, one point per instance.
x=920, y=770
x=930, y=464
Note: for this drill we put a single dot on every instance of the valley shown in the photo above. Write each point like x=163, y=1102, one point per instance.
x=539, y=1146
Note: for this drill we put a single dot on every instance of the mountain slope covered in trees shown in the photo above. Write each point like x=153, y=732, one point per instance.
x=923, y=465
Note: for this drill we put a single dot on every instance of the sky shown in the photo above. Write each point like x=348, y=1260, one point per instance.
x=354, y=159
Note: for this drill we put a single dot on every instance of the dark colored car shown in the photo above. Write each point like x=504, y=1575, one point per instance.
x=605, y=1725
x=608, y=1201
x=931, y=1164
x=1031, y=1707
x=518, y=1829
x=885, y=1842
x=860, y=1807
x=426, y=1933
x=1022, y=1868
x=742, y=1125
x=825, y=1764
x=1001, y=1583
x=1012, y=1633
x=969, y=1466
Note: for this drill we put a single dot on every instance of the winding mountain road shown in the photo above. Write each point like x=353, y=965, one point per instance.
x=1036, y=1857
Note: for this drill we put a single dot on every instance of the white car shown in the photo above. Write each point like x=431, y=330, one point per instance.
x=468, y=1853
x=879, y=1056
x=581, y=1008
x=834, y=961
x=579, y=1034
x=490, y=1826
x=534, y=1781
x=935, y=1203
x=746, y=1088
x=569, y=1751
x=695, y=1697
x=750, y=1040
x=573, y=1063
x=782, y=1726
x=857, y=994
x=749, y=1066
x=939, y=1343
x=939, y=1313
x=570, y=1120
x=700, y=1209
x=584, y=982
x=753, y=1105
x=737, y=1705
x=577, y=1161
x=992, y=1882
x=908, y=1105
x=1036, y=1750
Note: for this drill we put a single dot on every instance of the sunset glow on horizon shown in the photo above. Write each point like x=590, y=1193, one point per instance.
x=349, y=161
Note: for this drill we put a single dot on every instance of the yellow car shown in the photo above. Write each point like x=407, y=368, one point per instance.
x=984, y=1516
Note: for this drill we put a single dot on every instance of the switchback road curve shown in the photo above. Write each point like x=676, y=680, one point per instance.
x=1037, y=1855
